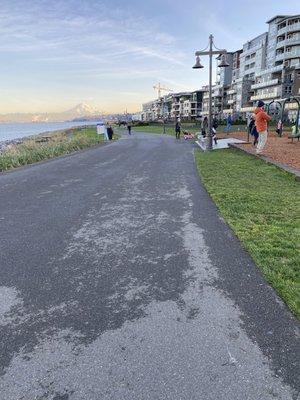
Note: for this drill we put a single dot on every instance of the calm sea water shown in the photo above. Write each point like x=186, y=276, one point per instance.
x=15, y=131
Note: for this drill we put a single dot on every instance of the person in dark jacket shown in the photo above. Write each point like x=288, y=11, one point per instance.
x=215, y=123
x=177, y=129
x=129, y=128
x=204, y=126
x=110, y=132
x=253, y=131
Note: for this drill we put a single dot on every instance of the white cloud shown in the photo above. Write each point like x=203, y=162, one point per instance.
x=109, y=34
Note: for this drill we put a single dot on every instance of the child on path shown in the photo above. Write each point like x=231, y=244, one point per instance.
x=261, y=124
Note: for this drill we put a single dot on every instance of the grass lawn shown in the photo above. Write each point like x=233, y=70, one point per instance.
x=170, y=130
x=262, y=205
x=64, y=142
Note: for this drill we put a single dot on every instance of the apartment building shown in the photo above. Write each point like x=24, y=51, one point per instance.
x=195, y=107
x=266, y=68
x=182, y=105
x=186, y=105
x=222, y=98
x=230, y=103
x=252, y=60
x=150, y=111
x=281, y=76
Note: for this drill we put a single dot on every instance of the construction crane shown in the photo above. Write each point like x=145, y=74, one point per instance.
x=160, y=88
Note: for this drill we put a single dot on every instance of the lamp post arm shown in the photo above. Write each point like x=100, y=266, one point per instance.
x=208, y=53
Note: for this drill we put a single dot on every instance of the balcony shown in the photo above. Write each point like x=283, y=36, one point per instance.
x=231, y=91
x=280, y=56
x=270, y=70
x=262, y=96
x=293, y=27
x=247, y=109
x=296, y=66
x=288, y=42
x=271, y=82
x=280, y=44
x=289, y=28
x=217, y=93
x=293, y=40
x=231, y=101
x=251, y=49
x=292, y=54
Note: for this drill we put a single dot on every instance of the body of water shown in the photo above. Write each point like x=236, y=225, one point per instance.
x=19, y=130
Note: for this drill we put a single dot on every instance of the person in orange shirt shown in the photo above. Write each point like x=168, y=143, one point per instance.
x=261, y=124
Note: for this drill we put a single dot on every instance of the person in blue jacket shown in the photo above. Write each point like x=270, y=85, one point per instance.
x=229, y=124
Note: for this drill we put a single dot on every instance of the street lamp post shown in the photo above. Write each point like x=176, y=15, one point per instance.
x=223, y=63
x=164, y=114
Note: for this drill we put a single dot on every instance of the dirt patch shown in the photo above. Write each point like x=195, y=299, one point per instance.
x=280, y=149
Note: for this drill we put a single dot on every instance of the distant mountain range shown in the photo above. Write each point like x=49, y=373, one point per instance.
x=82, y=112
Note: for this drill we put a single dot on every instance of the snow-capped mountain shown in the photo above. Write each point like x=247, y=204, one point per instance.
x=81, y=110
x=84, y=109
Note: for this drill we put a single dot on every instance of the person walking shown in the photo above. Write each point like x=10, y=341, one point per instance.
x=204, y=126
x=177, y=129
x=261, y=124
x=215, y=123
x=129, y=128
x=214, y=127
x=229, y=124
x=110, y=132
x=279, y=128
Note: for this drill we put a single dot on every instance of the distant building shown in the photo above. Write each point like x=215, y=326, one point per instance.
x=183, y=105
x=281, y=77
x=137, y=116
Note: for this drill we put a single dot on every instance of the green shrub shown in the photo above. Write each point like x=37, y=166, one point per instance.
x=31, y=151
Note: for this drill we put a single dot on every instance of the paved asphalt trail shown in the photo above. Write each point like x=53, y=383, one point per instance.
x=119, y=280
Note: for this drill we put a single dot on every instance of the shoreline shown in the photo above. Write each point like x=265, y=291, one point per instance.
x=49, y=145
x=5, y=144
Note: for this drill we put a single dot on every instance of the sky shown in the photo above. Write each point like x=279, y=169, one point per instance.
x=55, y=54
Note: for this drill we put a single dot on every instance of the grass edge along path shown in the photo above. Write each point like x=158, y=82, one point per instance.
x=261, y=203
x=61, y=143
